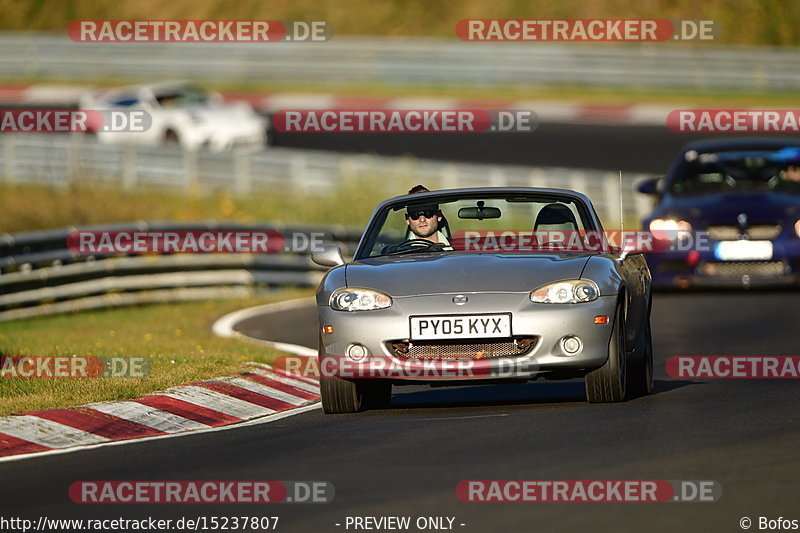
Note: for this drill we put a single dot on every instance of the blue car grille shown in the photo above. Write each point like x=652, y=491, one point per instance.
x=735, y=269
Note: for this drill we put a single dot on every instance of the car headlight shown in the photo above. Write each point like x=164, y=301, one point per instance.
x=566, y=292
x=670, y=229
x=351, y=299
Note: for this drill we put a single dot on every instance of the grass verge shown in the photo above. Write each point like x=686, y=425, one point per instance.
x=36, y=207
x=175, y=337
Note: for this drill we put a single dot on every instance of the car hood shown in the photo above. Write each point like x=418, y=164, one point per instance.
x=432, y=273
x=763, y=207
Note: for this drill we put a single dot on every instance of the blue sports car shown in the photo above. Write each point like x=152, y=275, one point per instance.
x=728, y=215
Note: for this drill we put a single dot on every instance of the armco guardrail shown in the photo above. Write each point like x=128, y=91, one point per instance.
x=30, y=250
x=418, y=62
x=40, y=276
x=58, y=160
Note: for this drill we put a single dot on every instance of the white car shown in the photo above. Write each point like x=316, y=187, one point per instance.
x=182, y=114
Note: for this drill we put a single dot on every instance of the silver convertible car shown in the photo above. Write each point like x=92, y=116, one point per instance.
x=482, y=285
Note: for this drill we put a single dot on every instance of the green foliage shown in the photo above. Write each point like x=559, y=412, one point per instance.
x=764, y=22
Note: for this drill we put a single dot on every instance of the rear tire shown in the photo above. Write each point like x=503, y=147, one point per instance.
x=640, y=374
x=608, y=383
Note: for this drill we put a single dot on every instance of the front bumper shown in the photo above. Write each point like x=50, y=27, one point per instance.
x=222, y=139
x=703, y=269
x=548, y=324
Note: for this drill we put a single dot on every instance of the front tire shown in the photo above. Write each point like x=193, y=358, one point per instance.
x=350, y=396
x=640, y=375
x=171, y=138
x=340, y=395
x=608, y=383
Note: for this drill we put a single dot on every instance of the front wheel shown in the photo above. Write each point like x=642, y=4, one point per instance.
x=171, y=137
x=607, y=383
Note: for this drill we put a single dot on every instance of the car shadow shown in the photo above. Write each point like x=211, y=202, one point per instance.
x=507, y=394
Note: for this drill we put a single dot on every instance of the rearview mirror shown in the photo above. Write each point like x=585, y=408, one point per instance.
x=651, y=186
x=479, y=212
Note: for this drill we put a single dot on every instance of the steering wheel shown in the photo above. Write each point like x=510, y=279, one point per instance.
x=413, y=244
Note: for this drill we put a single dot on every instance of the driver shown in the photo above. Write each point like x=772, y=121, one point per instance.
x=423, y=221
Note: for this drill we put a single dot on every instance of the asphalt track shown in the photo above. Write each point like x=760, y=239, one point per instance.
x=407, y=460
x=601, y=146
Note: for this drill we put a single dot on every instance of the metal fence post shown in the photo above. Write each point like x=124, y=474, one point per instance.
x=242, y=168
x=8, y=158
x=298, y=173
x=191, y=162
x=129, y=177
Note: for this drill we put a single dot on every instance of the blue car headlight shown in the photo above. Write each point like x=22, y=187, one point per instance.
x=670, y=229
x=355, y=299
x=572, y=291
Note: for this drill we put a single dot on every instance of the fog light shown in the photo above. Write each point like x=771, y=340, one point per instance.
x=356, y=352
x=571, y=345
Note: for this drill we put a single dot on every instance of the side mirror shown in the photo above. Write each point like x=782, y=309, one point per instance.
x=329, y=255
x=651, y=186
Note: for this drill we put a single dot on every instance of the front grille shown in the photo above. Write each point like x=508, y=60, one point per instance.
x=759, y=232
x=735, y=269
x=462, y=350
x=723, y=233
x=764, y=232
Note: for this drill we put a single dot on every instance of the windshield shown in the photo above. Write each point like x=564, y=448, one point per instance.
x=741, y=170
x=491, y=223
x=181, y=96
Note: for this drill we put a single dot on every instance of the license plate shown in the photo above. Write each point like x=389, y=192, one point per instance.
x=744, y=250
x=444, y=327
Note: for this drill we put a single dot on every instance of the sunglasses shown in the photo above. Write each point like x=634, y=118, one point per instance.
x=427, y=213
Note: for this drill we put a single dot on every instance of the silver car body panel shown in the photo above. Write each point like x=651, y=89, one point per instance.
x=426, y=284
